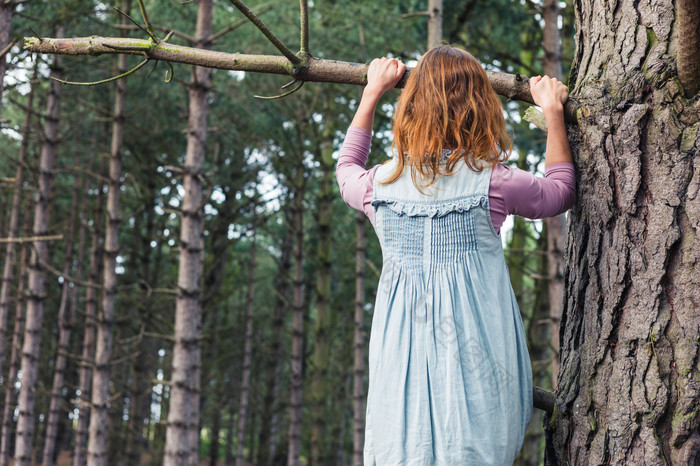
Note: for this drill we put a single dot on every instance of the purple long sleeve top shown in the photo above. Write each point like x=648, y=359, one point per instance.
x=511, y=191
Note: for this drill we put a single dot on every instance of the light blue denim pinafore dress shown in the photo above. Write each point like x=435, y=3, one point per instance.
x=450, y=381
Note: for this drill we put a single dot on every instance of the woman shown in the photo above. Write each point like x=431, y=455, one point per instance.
x=450, y=381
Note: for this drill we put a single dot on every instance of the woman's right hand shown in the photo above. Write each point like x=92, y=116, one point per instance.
x=548, y=93
x=383, y=74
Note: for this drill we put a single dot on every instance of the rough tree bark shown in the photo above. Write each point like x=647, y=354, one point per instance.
x=629, y=384
x=65, y=323
x=99, y=413
x=24, y=440
x=88, y=345
x=358, y=394
x=247, y=351
x=688, y=53
x=185, y=385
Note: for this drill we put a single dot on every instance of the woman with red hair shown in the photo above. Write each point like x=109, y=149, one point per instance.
x=450, y=381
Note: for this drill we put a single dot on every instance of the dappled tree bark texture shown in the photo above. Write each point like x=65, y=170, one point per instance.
x=629, y=384
x=36, y=287
x=182, y=418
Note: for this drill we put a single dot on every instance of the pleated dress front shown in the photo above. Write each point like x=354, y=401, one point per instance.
x=450, y=381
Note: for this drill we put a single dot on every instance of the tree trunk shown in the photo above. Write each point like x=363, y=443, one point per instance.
x=99, y=413
x=88, y=347
x=6, y=11
x=15, y=355
x=65, y=324
x=434, y=23
x=229, y=436
x=247, y=352
x=556, y=226
x=296, y=376
x=184, y=394
x=268, y=431
x=24, y=442
x=320, y=452
x=144, y=363
x=538, y=344
x=358, y=394
x=13, y=224
x=628, y=389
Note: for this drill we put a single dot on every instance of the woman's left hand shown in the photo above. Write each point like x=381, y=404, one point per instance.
x=383, y=74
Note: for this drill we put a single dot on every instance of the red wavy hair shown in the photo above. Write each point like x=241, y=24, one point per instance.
x=448, y=103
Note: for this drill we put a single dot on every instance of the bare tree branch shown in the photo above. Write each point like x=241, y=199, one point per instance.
x=7, y=48
x=266, y=31
x=236, y=25
x=32, y=239
x=512, y=86
x=304, y=20
x=179, y=34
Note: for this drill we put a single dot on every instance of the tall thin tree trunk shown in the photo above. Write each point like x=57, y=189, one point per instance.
x=295, y=398
x=537, y=342
x=37, y=276
x=230, y=458
x=358, y=394
x=320, y=453
x=214, y=439
x=65, y=324
x=268, y=432
x=99, y=416
x=556, y=226
x=248, y=351
x=88, y=346
x=7, y=8
x=144, y=363
x=434, y=23
x=15, y=355
x=13, y=224
x=185, y=386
